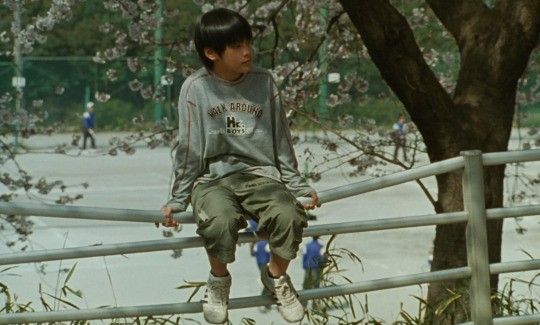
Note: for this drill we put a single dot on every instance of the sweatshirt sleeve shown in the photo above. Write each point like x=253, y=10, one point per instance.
x=188, y=164
x=286, y=159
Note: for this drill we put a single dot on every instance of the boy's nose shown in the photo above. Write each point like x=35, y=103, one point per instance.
x=247, y=50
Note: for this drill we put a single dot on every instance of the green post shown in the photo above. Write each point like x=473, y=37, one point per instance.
x=476, y=238
x=18, y=79
x=169, y=104
x=323, y=66
x=158, y=59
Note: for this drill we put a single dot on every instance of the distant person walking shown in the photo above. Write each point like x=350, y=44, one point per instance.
x=399, y=134
x=88, y=122
x=314, y=258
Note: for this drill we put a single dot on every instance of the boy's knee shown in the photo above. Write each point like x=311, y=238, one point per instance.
x=220, y=235
x=219, y=228
x=285, y=228
x=289, y=216
x=224, y=256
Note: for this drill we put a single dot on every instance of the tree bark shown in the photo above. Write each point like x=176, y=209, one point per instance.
x=495, y=45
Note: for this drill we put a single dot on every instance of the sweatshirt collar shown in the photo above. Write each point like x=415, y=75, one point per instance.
x=227, y=82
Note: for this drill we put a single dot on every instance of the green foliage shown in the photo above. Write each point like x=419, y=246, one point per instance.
x=530, y=115
x=196, y=286
x=118, y=115
x=508, y=303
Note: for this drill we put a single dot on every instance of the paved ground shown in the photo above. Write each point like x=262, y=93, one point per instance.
x=141, y=181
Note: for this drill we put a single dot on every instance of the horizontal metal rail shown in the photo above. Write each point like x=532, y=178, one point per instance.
x=500, y=158
x=111, y=214
x=245, y=302
x=235, y=303
x=190, y=242
x=533, y=319
x=151, y=216
x=436, y=168
x=516, y=266
x=318, y=230
x=91, y=213
x=519, y=211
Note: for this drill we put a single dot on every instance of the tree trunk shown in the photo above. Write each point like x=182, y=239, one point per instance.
x=495, y=45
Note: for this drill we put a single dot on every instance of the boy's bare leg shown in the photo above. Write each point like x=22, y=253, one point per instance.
x=217, y=268
x=278, y=266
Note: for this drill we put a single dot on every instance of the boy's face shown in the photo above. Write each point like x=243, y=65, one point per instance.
x=233, y=62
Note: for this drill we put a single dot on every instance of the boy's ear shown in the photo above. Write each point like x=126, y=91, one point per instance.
x=210, y=54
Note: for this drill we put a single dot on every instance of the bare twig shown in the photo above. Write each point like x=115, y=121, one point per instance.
x=364, y=150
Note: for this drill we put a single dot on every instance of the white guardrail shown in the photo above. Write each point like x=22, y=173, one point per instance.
x=475, y=215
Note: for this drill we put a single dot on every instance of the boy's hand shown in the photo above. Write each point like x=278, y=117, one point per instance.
x=169, y=221
x=314, y=202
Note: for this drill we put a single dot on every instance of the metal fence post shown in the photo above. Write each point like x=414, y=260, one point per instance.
x=476, y=237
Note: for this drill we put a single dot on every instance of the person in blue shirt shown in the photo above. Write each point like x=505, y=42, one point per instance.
x=399, y=135
x=314, y=258
x=88, y=122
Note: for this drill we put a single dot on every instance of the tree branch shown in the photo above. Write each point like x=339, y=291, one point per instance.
x=458, y=15
x=497, y=49
x=525, y=14
x=277, y=10
x=315, y=51
x=392, y=47
x=276, y=43
x=367, y=151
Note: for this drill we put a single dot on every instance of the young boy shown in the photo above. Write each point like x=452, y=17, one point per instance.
x=235, y=161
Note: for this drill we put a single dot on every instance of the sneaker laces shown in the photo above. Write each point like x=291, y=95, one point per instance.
x=286, y=293
x=218, y=293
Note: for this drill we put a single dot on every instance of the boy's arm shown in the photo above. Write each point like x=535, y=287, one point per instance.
x=188, y=161
x=286, y=159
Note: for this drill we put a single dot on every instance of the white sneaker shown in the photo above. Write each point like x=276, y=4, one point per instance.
x=285, y=296
x=216, y=299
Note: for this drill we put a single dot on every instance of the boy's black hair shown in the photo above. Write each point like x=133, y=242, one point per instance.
x=218, y=29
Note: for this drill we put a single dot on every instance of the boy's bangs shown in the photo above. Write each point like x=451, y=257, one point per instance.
x=239, y=32
x=229, y=33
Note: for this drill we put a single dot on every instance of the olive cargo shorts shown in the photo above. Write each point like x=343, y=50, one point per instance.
x=221, y=208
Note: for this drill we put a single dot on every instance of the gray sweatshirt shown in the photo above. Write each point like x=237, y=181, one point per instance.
x=230, y=127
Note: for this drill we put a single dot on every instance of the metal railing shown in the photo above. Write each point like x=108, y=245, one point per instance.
x=475, y=215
